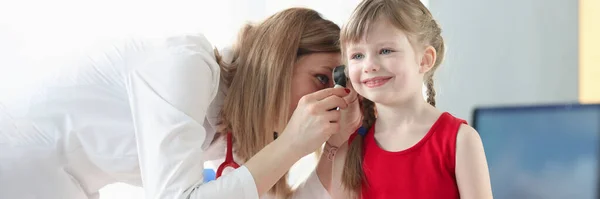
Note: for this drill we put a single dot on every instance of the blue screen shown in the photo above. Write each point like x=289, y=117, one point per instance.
x=545, y=152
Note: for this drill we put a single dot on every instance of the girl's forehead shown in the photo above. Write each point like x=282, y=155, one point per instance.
x=380, y=39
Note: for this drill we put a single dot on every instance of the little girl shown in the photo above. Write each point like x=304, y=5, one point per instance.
x=412, y=150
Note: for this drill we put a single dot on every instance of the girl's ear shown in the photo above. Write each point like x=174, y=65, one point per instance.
x=427, y=60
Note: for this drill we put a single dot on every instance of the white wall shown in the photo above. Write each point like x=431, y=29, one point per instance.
x=507, y=52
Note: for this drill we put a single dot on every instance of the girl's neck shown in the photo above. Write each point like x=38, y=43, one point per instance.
x=400, y=117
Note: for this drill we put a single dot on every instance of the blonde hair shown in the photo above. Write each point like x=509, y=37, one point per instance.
x=410, y=16
x=259, y=77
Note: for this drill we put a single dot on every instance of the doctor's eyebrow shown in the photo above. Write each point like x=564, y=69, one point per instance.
x=326, y=69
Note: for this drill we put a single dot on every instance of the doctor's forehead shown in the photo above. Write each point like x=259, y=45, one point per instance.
x=319, y=62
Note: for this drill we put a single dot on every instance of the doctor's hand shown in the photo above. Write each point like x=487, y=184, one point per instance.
x=350, y=120
x=313, y=122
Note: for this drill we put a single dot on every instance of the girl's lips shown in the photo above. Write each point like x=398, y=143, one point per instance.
x=376, y=81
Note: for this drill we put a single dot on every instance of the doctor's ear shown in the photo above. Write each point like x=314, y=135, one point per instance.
x=427, y=60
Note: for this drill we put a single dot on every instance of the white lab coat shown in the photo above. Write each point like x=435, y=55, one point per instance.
x=142, y=112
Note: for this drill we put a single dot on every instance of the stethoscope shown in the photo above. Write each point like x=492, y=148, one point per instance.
x=229, y=162
x=339, y=79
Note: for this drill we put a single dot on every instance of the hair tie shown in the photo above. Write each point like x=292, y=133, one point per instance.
x=362, y=131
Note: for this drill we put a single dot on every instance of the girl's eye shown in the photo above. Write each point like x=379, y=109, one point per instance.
x=324, y=79
x=385, y=51
x=357, y=56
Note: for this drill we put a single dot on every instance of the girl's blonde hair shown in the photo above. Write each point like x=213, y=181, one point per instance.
x=259, y=77
x=410, y=16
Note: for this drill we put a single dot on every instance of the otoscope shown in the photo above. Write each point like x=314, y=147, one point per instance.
x=339, y=78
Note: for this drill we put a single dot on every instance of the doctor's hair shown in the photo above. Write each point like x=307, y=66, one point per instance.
x=259, y=77
x=413, y=18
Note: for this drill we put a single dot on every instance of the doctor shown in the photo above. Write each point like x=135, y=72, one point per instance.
x=150, y=113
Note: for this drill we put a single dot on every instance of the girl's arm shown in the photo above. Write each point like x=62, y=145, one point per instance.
x=472, y=173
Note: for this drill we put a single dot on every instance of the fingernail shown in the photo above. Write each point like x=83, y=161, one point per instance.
x=347, y=90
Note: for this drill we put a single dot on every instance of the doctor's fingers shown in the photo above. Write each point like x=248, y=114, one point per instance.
x=325, y=93
x=352, y=97
x=330, y=103
x=332, y=116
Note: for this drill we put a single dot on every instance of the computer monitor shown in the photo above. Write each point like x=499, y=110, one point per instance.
x=542, y=152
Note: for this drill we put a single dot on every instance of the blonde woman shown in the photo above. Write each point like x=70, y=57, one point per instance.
x=151, y=113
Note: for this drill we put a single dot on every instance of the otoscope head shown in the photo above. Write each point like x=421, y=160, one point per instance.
x=339, y=77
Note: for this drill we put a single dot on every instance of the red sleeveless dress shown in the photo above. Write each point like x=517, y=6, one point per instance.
x=423, y=171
